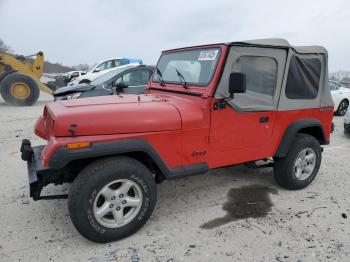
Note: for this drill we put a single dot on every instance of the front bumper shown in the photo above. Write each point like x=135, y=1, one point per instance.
x=38, y=175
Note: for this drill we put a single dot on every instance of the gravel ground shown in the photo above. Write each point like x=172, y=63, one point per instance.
x=199, y=218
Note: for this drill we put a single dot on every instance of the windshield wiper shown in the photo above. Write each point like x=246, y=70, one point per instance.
x=182, y=78
x=160, y=76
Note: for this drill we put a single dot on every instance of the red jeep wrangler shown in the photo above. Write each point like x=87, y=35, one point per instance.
x=206, y=107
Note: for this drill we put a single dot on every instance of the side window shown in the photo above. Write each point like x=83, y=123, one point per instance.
x=135, y=78
x=333, y=86
x=120, y=62
x=303, y=78
x=261, y=80
x=102, y=66
x=260, y=72
x=123, y=79
x=106, y=65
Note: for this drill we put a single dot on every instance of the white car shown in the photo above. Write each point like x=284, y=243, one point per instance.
x=71, y=75
x=103, y=67
x=341, y=97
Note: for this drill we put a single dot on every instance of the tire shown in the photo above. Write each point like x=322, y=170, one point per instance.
x=20, y=90
x=85, y=81
x=342, y=107
x=287, y=174
x=85, y=199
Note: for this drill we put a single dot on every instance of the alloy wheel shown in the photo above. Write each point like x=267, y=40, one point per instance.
x=305, y=164
x=118, y=203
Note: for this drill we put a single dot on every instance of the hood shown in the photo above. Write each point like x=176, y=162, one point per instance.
x=122, y=114
x=72, y=89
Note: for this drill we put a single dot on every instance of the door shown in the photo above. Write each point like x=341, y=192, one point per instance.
x=241, y=129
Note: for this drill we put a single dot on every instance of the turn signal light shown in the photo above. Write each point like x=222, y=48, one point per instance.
x=78, y=145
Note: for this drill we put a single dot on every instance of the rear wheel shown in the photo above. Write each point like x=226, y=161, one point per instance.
x=343, y=106
x=111, y=199
x=299, y=168
x=20, y=90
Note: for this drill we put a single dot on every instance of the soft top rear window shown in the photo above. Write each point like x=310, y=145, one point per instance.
x=197, y=66
x=303, y=78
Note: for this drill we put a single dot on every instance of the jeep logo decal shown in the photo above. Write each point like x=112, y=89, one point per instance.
x=198, y=153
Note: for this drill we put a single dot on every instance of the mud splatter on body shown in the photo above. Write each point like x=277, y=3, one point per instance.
x=245, y=202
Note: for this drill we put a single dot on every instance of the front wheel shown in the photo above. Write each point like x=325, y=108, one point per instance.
x=300, y=167
x=20, y=90
x=112, y=198
x=343, y=106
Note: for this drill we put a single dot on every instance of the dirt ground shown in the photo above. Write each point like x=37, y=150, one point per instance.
x=199, y=218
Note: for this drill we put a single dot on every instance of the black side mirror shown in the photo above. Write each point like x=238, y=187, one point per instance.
x=119, y=87
x=237, y=83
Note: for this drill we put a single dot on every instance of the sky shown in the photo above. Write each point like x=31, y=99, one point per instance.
x=86, y=31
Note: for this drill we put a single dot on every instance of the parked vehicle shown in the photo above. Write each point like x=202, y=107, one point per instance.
x=341, y=97
x=132, y=79
x=20, y=83
x=103, y=67
x=347, y=123
x=206, y=107
x=70, y=76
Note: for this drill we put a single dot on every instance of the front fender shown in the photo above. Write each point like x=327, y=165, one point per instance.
x=63, y=156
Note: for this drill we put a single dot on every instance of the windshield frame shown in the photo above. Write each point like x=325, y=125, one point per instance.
x=92, y=67
x=155, y=78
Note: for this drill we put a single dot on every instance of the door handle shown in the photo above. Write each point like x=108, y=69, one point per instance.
x=264, y=119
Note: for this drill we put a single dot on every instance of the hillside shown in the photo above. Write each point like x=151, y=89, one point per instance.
x=48, y=67
x=55, y=68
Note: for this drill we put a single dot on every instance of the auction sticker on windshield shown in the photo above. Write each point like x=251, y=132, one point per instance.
x=208, y=55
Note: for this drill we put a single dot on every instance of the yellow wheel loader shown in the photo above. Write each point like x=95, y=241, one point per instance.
x=20, y=79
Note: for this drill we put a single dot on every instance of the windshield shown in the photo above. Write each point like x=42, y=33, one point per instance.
x=196, y=67
x=92, y=66
x=106, y=79
x=334, y=86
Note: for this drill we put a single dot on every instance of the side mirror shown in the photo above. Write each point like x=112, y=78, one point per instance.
x=119, y=87
x=97, y=70
x=237, y=83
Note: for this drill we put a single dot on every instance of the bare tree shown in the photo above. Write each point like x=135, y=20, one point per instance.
x=4, y=48
x=346, y=79
x=81, y=67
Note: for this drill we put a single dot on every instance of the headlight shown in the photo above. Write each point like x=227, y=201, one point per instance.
x=74, y=96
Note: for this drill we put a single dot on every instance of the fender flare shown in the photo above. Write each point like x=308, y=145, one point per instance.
x=63, y=156
x=8, y=70
x=293, y=129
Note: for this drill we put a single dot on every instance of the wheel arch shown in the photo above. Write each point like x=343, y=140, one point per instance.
x=138, y=149
x=311, y=127
x=85, y=80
